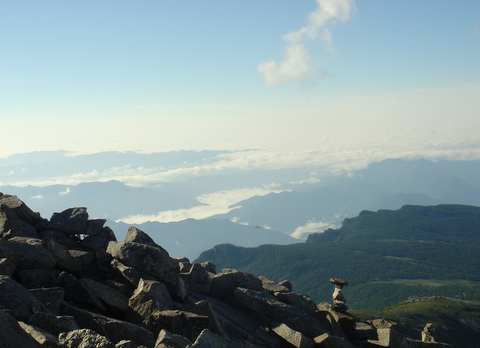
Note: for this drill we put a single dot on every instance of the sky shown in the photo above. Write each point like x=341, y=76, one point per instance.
x=341, y=79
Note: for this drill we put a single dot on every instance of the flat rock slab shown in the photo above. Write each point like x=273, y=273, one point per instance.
x=295, y=338
x=26, y=253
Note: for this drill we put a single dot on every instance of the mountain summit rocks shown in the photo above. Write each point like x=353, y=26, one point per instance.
x=67, y=282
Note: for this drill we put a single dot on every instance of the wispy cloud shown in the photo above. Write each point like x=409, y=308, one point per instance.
x=66, y=192
x=297, y=65
x=214, y=203
x=310, y=227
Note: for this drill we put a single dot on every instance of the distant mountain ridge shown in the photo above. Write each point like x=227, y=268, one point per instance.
x=433, y=251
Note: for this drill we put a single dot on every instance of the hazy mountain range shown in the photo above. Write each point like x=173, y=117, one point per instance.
x=218, y=185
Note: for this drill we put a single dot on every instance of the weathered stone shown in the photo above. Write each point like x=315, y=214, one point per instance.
x=346, y=322
x=70, y=242
x=52, y=323
x=12, y=334
x=7, y=267
x=26, y=253
x=208, y=339
x=167, y=339
x=295, y=338
x=149, y=297
x=9, y=223
x=302, y=302
x=50, y=297
x=209, y=267
x=99, y=240
x=94, y=226
x=363, y=332
x=138, y=236
x=39, y=278
x=383, y=324
x=329, y=322
x=43, y=337
x=178, y=289
x=184, y=264
x=389, y=337
x=70, y=221
x=17, y=301
x=128, y=344
x=327, y=341
x=84, y=338
x=224, y=284
x=205, y=308
x=271, y=287
x=110, y=297
x=269, y=307
x=77, y=293
x=186, y=324
x=63, y=258
x=22, y=211
x=287, y=284
x=114, y=329
x=85, y=257
x=152, y=260
x=132, y=274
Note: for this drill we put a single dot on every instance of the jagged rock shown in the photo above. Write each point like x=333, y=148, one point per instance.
x=152, y=260
x=77, y=293
x=205, y=308
x=208, y=339
x=84, y=338
x=224, y=284
x=70, y=221
x=52, y=323
x=329, y=322
x=295, y=338
x=12, y=334
x=22, y=211
x=17, y=301
x=167, y=339
x=269, y=307
x=149, y=297
x=99, y=240
x=43, y=337
x=132, y=274
x=184, y=264
x=94, y=226
x=326, y=341
x=9, y=223
x=63, y=258
x=187, y=324
x=344, y=320
x=287, y=284
x=389, y=337
x=302, y=302
x=198, y=279
x=109, y=297
x=271, y=287
x=40, y=278
x=138, y=236
x=50, y=297
x=7, y=267
x=26, y=253
x=363, y=332
x=85, y=257
x=70, y=242
x=209, y=267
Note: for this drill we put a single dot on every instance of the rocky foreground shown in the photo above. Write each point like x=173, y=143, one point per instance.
x=67, y=282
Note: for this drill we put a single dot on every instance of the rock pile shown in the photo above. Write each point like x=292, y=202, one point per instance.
x=67, y=282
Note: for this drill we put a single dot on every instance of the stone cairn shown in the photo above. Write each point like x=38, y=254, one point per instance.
x=428, y=333
x=338, y=298
x=68, y=282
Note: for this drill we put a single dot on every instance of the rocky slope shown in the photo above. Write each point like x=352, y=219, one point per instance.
x=67, y=282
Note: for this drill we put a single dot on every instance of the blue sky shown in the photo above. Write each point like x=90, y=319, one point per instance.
x=395, y=79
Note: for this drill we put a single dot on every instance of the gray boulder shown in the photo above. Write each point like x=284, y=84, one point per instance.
x=22, y=211
x=43, y=337
x=26, y=253
x=54, y=324
x=149, y=297
x=16, y=300
x=224, y=284
x=167, y=339
x=84, y=338
x=99, y=240
x=138, y=236
x=70, y=221
x=52, y=298
x=12, y=334
x=295, y=338
x=154, y=261
x=110, y=297
x=7, y=267
x=208, y=339
x=62, y=256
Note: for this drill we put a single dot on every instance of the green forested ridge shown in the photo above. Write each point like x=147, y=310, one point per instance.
x=387, y=256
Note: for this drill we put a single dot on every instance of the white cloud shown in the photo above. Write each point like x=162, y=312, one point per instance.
x=214, y=203
x=310, y=180
x=39, y=197
x=297, y=65
x=310, y=227
x=66, y=192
